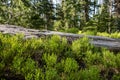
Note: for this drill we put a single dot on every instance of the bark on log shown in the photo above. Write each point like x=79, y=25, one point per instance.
x=98, y=41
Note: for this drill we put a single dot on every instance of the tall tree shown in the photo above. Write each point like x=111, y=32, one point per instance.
x=117, y=11
x=14, y=12
x=65, y=14
x=86, y=10
x=42, y=14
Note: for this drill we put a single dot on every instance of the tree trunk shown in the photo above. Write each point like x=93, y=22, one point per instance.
x=117, y=7
x=117, y=11
x=86, y=10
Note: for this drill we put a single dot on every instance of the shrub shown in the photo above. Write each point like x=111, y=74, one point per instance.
x=92, y=73
x=117, y=60
x=39, y=75
x=93, y=58
x=81, y=46
x=109, y=59
x=116, y=77
x=55, y=44
x=70, y=65
x=72, y=30
x=24, y=66
x=115, y=35
x=52, y=58
x=51, y=74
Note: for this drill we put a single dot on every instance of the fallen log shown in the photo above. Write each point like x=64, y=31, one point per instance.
x=98, y=41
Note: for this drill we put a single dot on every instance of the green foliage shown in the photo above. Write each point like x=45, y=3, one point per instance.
x=24, y=66
x=72, y=30
x=39, y=74
x=57, y=25
x=2, y=65
x=116, y=77
x=70, y=65
x=93, y=58
x=112, y=35
x=118, y=60
x=92, y=73
x=55, y=43
x=69, y=15
x=109, y=59
x=80, y=47
x=52, y=58
x=27, y=13
x=105, y=34
x=18, y=63
x=51, y=74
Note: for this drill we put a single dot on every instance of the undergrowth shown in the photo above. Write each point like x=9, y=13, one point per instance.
x=55, y=59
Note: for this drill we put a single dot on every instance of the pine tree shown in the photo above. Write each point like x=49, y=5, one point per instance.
x=86, y=10
x=117, y=11
x=42, y=14
x=14, y=12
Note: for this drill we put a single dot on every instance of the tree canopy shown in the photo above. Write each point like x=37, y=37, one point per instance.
x=103, y=16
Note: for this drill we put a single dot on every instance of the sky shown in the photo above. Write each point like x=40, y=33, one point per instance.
x=56, y=1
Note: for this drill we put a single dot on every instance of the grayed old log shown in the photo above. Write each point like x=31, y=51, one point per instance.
x=98, y=41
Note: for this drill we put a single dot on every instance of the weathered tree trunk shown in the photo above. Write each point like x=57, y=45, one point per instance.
x=98, y=41
x=117, y=7
x=117, y=12
x=86, y=10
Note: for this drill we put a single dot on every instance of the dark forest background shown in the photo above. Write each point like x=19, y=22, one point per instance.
x=62, y=15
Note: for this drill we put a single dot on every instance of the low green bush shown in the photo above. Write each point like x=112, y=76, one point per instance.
x=91, y=73
x=53, y=58
x=72, y=30
x=105, y=34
